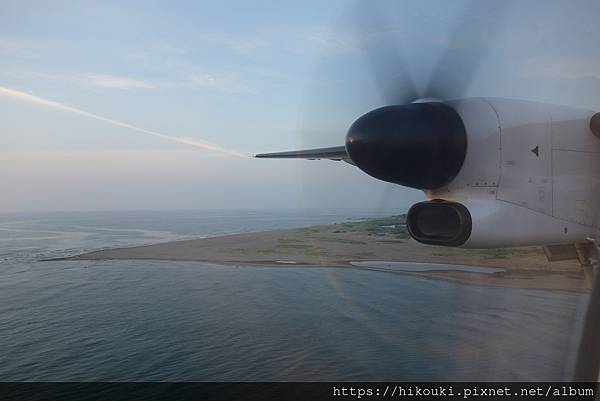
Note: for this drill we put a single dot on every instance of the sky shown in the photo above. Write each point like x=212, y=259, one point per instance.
x=157, y=105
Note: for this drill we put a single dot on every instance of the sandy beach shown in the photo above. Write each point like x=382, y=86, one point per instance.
x=337, y=245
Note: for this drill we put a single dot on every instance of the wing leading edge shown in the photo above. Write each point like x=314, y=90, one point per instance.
x=337, y=153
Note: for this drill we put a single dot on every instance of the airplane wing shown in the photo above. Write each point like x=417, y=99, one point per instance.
x=337, y=153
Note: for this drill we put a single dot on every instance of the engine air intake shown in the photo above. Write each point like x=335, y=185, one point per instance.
x=439, y=222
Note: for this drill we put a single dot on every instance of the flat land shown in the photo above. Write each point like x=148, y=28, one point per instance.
x=336, y=245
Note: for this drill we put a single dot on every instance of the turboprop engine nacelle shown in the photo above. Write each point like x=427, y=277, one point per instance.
x=488, y=224
x=530, y=176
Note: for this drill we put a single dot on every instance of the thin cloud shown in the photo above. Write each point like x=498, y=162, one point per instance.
x=247, y=46
x=95, y=80
x=563, y=69
x=219, y=83
x=196, y=80
x=20, y=48
x=199, y=143
x=351, y=41
x=335, y=42
x=115, y=82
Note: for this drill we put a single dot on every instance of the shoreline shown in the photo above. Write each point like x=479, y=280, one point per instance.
x=338, y=245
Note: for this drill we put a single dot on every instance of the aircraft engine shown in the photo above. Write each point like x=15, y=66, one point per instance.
x=529, y=175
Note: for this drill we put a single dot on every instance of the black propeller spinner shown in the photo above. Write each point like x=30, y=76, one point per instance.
x=418, y=145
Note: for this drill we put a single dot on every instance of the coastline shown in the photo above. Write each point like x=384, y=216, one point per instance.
x=337, y=245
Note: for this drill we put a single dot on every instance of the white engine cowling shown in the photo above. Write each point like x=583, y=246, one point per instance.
x=531, y=176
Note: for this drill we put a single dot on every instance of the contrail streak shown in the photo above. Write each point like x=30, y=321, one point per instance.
x=180, y=139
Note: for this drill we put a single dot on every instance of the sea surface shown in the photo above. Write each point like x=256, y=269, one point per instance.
x=187, y=321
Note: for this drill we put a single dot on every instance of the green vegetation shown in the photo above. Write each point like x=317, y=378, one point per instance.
x=390, y=241
x=265, y=251
x=310, y=230
x=294, y=246
x=388, y=226
x=362, y=255
x=506, y=253
x=342, y=241
x=284, y=241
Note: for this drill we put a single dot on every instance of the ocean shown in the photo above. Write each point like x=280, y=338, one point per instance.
x=189, y=321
